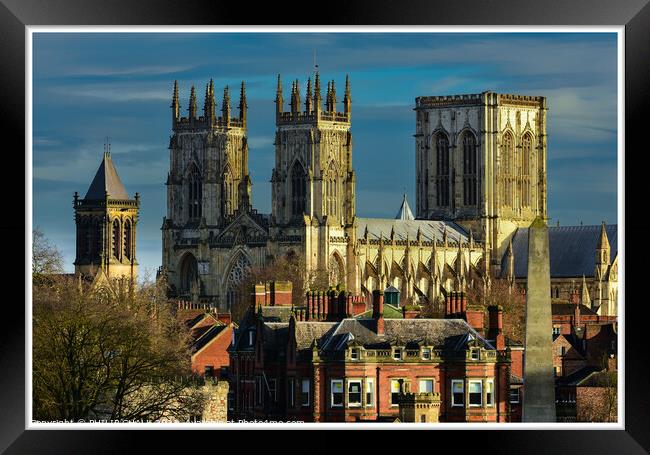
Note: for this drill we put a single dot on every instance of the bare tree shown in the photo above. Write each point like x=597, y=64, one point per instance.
x=510, y=298
x=598, y=400
x=98, y=353
x=46, y=258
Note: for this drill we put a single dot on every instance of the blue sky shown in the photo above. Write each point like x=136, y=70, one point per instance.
x=89, y=86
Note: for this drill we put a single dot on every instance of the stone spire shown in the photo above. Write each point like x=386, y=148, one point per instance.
x=225, y=108
x=602, y=253
x=584, y=295
x=243, y=106
x=175, y=103
x=295, y=97
x=279, y=101
x=328, y=97
x=309, y=102
x=210, y=104
x=333, y=95
x=347, y=100
x=192, y=108
x=317, y=97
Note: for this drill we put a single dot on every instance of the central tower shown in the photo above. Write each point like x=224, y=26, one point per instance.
x=313, y=179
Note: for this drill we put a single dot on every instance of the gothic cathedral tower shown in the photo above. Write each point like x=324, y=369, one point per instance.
x=207, y=184
x=106, y=220
x=481, y=161
x=313, y=182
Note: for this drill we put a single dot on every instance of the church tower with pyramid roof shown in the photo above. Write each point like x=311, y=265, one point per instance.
x=106, y=220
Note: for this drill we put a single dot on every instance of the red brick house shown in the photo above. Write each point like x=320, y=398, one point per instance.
x=211, y=334
x=319, y=364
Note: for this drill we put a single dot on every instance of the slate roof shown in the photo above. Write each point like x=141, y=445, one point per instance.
x=404, y=212
x=390, y=312
x=572, y=250
x=276, y=313
x=599, y=379
x=430, y=229
x=306, y=332
x=566, y=309
x=208, y=336
x=445, y=334
x=106, y=180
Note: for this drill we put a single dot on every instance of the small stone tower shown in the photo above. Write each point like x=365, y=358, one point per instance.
x=106, y=220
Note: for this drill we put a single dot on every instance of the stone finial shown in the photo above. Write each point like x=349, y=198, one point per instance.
x=192, y=108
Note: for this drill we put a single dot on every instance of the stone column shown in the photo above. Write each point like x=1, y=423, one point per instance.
x=539, y=379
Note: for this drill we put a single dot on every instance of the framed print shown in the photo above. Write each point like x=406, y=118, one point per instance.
x=412, y=220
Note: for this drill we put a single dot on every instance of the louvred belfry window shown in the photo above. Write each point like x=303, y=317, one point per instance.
x=117, y=237
x=195, y=194
x=127, y=239
x=298, y=189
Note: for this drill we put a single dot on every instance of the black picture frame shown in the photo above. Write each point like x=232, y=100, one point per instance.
x=16, y=14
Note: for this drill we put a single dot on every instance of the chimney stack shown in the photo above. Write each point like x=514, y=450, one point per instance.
x=495, y=326
x=378, y=310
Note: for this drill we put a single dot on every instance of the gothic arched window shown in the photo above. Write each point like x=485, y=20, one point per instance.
x=127, y=239
x=189, y=273
x=526, y=151
x=298, y=189
x=228, y=193
x=470, y=170
x=195, y=194
x=117, y=239
x=331, y=191
x=238, y=272
x=442, y=169
x=506, y=169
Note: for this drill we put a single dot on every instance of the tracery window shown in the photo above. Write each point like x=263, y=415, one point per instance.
x=239, y=271
x=506, y=169
x=331, y=191
x=298, y=189
x=195, y=194
x=127, y=239
x=526, y=150
x=470, y=171
x=442, y=170
x=117, y=237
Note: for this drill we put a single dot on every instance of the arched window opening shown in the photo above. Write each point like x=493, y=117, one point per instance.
x=442, y=168
x=298, y=189
x=506, y=169
x=127, y=239
x=117, y=237
x=189, y=273
x=97, y=238
x=227, y=193
x=470, y=170
x=195, y=195
x=238, y=273
x=336, y=273
x=330, y=191
x=526, y=150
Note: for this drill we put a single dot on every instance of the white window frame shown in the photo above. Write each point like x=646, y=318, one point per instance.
x=514, y=389
x=354, y=354
x=341, y=382
x=304, y=392
x=489, y=402
x=347, y=391
x=469, y=393
x=428, y=350
x=433, y=384
x=557, y=330
x=394, y=380
x=370, y=389
x=453, y=401
x=401, y=354
x=475, y=354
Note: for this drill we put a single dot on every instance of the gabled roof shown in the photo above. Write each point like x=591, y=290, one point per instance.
x=207, y=337
x=565, y=309
x=404, y=212
x=106, y=181
x=572, y=250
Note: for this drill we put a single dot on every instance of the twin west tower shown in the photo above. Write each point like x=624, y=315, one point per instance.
x=467, y=148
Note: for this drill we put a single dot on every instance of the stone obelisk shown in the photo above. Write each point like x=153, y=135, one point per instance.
x=539, y=377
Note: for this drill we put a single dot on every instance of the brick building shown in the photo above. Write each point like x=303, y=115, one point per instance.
x=319, y=364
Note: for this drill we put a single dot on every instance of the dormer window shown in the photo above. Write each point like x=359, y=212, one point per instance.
x=397, y=354
x=475, y=354
x=354, y=354
x=426, y=353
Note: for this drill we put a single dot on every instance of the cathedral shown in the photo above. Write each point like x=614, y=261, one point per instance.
x=481, y=180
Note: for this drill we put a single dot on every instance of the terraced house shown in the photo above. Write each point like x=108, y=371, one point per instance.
x=337, y=367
